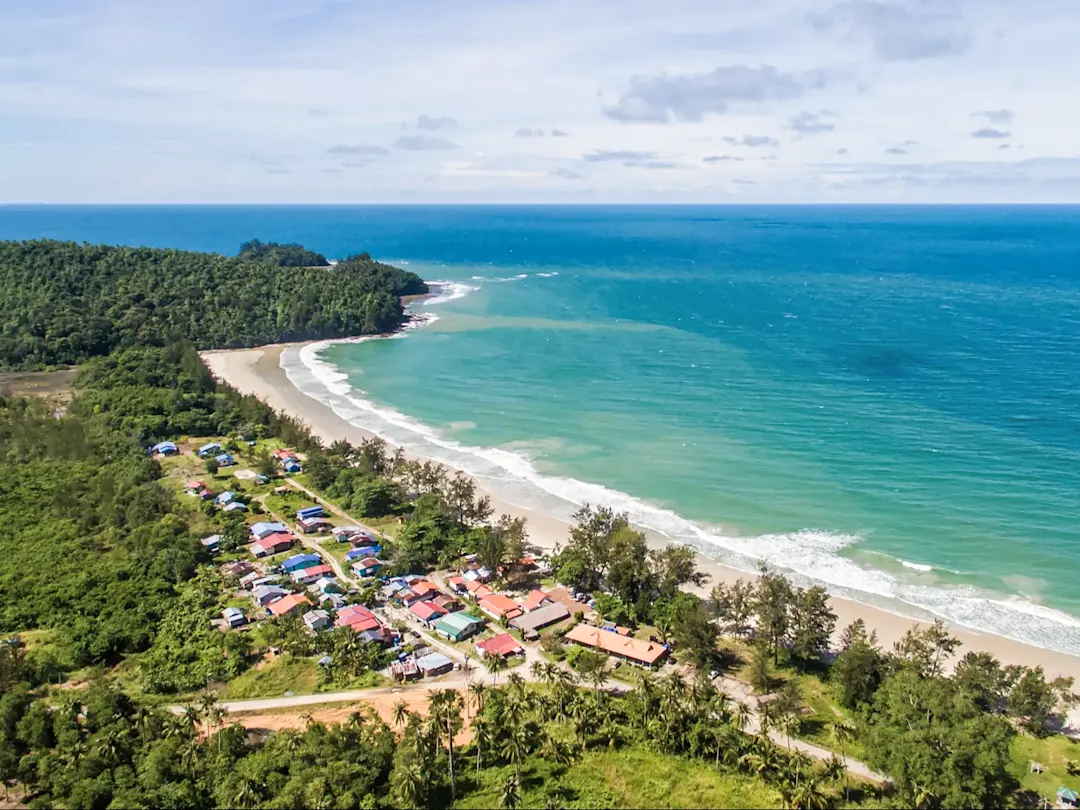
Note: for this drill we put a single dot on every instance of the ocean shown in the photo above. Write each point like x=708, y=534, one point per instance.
x=882, y=399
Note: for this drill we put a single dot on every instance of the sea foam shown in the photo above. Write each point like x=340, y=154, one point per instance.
x=810, y=556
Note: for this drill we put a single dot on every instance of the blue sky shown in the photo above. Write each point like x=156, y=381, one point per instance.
x=530, y=101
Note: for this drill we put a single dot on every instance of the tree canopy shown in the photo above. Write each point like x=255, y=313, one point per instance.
x=278, y=255
x=66, y=302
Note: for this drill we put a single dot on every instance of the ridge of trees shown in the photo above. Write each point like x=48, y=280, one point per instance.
x=280, y=255
x=66, y=302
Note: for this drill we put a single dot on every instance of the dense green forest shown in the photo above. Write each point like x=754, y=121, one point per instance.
x=290, y=255
x=65, y=303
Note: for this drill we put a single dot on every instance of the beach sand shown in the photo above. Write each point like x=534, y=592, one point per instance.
x=258, y=372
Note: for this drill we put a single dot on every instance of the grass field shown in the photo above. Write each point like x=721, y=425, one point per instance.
x=1051, y=753
x=285, y=674
x=634, y=777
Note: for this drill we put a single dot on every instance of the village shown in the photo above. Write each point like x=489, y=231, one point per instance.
x=306, y=558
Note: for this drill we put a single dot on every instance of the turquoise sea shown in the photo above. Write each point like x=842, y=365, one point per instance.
x=882, y=399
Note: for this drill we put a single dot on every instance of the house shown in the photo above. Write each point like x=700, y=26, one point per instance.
x=369, y=550
x=247, y=580
x=636, y=651
x=423, y=589
x=534, y=600
x=208, y=449
x=265, y=594
x=447, y=603
x=283, y=452
x=197, y=489
x=234, y=617
x=287, y=604
x=434, y=664
x=165, y=449
x=352, y=614
x=458, y=626
x=1067, y=797
x=235, y=506
x=292, y=466
x=314, y=525
x=367, y=567
x=563, y=596
x=497, y=605
x=335, y=601
x=224, y=460
x=343, y=533
x=261, y=530
x=477, y=573
x=310, y=512
x=499, y=646
x=305, y=576
x=456, y=584
x=427, y=612
x=236, y=569
x=535, y=620
x=478, y=590
x=317, y=619
x=327, y=584
x=272, y=544
x=225, y=497
x=356, y=554
x=211, y=543
x=403, y=670
x=298, y=561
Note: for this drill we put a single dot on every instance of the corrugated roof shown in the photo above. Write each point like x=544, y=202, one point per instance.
x=541, y=617
x=645, y=652
x=455, y=623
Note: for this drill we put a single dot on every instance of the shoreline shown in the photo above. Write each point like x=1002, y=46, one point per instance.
x=258, y=372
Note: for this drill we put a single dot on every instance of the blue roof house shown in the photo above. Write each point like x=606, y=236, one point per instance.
x=235, y=506
x=234, y=616
x=367, y=551
x=208, y=449
x=356, y=554
x=299, y=561
x=309, y=512
x=224, y=460
x=291, y=466
x=165, y=448
x=224, y=498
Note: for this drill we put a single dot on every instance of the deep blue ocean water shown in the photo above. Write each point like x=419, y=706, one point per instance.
x=884, y=399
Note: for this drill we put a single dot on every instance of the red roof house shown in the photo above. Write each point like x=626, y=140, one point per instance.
x=501, y=645
x=352, y=614
x=427, y=612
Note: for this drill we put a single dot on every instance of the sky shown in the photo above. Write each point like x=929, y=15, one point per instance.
x=339, y=101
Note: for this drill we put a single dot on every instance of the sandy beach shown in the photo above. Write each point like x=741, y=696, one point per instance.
x=258, y=372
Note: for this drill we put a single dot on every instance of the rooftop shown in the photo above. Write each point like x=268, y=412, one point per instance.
x=645, y=652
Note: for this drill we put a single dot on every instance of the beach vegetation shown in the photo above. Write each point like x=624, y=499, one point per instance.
x=65, y=302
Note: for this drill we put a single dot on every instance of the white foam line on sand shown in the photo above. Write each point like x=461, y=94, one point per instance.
x=259, y=372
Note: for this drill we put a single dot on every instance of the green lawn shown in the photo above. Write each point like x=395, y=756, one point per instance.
x=286, y=674
x=633, y=777
x=1051, y=753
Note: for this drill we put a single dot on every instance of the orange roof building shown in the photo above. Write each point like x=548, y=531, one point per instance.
x=496, y=605
x=646, y=653
x=534, y=600
x=288, y=604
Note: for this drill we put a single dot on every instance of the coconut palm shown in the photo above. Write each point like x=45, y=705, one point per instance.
x=516, y=748
x=801, y=762
x=409, y=784
x=841, y=734
x=741, y=717
x=401, y=713
x=515, y=684
x=445, y=712
x=481, y=738
x=922, y=796
x=511, y=793
x=247, y=794
x=476, y=692
x=809, y=796
x=789, y=724
x=495, y=664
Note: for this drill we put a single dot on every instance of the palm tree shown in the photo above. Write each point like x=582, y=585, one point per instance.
x=495, y=664
x=247, y=794
x=511, y=793
x=445, y=711
x=841, y=734
x=516, y=747
x=922, y=797
x=557, y=751
x=808, y=796
x=742, y=715
x=401, y=713
x=409, y=784
x=482, y=738
x=538, y=669
x=644, y=692
x=790, y=725
x=515, y=684
x=800, y=761
x=476, y=691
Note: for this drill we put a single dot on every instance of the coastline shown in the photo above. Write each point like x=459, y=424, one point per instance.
x=258, y=371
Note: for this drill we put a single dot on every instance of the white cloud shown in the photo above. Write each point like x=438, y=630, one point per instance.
x=121, y=100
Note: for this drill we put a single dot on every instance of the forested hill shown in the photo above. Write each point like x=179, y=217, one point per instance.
x=65, y=302
x=290, y=255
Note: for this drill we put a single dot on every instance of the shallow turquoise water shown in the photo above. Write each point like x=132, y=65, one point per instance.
x=883, y=399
